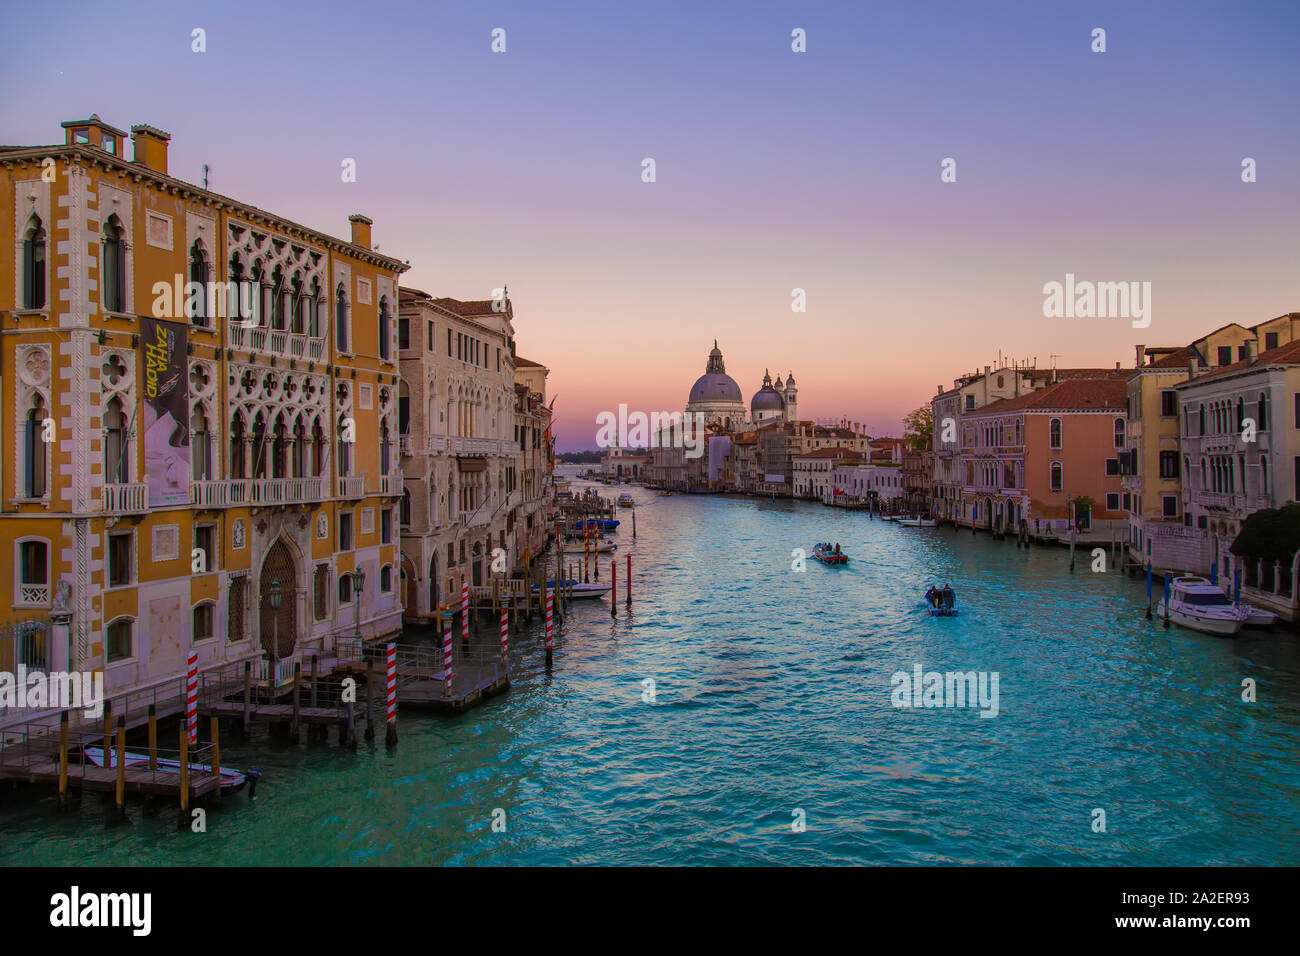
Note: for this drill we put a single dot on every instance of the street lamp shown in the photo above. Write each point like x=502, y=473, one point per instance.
x=358, y=582
x=276, y=597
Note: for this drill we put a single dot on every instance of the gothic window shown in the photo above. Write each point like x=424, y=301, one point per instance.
x=199, y=274
x=201, y=446
x=34, y=264
x=341, y=320
x=117, y=452
x=34, y=450
x=114, y=266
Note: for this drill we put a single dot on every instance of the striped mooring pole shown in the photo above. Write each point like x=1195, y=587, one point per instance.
x=192, y=699
x=446, y=658
x=505, y=633
x=464, y=614
x=390, y=735
x=550, y=626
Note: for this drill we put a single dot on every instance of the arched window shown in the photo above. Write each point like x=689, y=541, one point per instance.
x=1261, y=414
x=34, y=264
x=345, y=449
x=34, y=450
x=1201, y=422
x=299, y=449
x=238, y=286
x=259, y=447
x=1204, y=477
x=276, y=295
x=1119, y=433
x=1241, y=413
x=119, y=640
x=404, y=517
x=341, y=320
x=385, y=464
x=200, y=445
x=114, y=267
x=1058, y=476
x=1054, y=429
x=117, y=452
x=237, y=463
x=384, y=330
x=203, y=622
x=280, y=434
x=1263, y=474
x=311, y=310
x=198, y=310
x=33, y=573
x=317, y=449
x=386, y=579
x=297, y=323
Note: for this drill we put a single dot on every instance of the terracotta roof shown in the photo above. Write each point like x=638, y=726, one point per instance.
x=1288, y=354
x=471, y=308
x=1175, y=359
x=830, y=453
x=521, y=362
x=1074, y=394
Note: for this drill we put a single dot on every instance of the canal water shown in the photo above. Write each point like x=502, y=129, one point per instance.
x=772, y=736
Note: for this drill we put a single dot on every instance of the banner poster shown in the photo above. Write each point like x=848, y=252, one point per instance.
x=166, y=411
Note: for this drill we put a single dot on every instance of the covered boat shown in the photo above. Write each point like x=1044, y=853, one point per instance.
x=1200, y=605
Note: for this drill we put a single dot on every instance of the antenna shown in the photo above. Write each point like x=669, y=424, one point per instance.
x=205, y=175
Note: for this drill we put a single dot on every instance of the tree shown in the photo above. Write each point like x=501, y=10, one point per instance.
x=1270, y=533
x=918, y=428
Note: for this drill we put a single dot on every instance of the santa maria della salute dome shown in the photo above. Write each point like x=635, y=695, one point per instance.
x=718, y=398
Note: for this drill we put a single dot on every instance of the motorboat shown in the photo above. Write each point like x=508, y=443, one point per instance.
x=1257, y=617
x=592, y=547
x=918, y=522
x=827, y=553
x=940, y=602
x=625, y=500
x=232, y=781
x=1200, y=605
x=577, y=589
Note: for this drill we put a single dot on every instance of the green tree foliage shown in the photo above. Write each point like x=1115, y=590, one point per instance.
x=918, y=428
x=1271, y=533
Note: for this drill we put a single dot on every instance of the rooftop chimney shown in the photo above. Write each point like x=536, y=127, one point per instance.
x=1252, y=350
x=1141, y=353
x=150, y=147
x=1193, y=367
x=360, y=230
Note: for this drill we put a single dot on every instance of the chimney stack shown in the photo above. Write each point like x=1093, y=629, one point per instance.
x=360, y=230
x=1141, y=352
x=1193, y=367
x=1252, y=350
x=150, y=147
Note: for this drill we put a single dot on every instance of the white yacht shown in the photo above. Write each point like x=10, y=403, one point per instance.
x=1196, y=603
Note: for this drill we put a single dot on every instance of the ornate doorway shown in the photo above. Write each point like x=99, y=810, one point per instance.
x=279, y=567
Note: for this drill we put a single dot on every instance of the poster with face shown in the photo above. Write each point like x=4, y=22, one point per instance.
x=166, y=411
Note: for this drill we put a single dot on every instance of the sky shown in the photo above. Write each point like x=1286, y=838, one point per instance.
x=774, y=170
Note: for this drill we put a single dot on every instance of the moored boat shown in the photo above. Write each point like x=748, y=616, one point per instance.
x=232, y=781
x=601, y=524
x=1257, y=617
x=918, y=522
x=827, y=553
x=1200, y=605
x=577, y=589
x=576, y=546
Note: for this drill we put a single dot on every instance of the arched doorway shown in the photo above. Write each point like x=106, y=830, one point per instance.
x=279, y=566
x=410, y=588
x=433, y=585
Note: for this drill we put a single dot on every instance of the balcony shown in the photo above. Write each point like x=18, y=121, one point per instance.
x=391, y=486
x=277, y=342
x=437, y=443
x=218, y=494
x=352, y=486
x=477, y=518
x=404, y=445
x=463, y=445
x=126, y=499
x=285, y=491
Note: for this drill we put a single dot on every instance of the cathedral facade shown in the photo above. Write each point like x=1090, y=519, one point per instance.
x=716, y=396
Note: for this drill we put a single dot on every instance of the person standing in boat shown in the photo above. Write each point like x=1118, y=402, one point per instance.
x=949, y=597
x=932, y=596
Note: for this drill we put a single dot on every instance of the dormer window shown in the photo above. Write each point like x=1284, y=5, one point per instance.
x=108, y=143
x=81, y=137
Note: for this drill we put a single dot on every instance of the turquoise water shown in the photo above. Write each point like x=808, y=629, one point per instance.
x=773, y=694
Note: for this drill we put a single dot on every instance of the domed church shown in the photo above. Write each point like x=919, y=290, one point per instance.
x=716, y=395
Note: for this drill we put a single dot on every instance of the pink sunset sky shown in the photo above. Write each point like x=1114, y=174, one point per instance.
x=775, y=170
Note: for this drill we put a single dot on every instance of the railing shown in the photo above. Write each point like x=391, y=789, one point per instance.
x=352, y=486
x=404, y=445
x=219, y=494
x=476, y=518
x=437, y=443
x=24, y=644
x=276, y=342
x=33, y=595
x=391, y=486
x=127, y=499
x=283, y=671
x=467, y=445
x=278, y=491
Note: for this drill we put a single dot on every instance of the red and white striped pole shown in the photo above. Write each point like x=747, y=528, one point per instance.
x=464, y=613
x=505, y=633
x=550, y=625
x=192, y=698
x=446, y=659
x=390, y=734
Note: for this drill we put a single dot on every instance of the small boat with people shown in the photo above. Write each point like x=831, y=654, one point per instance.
x=625, y=500
x=827, y=553
x=1199, y=604
x=941, y=601
x=600, y=524
x=232, y=781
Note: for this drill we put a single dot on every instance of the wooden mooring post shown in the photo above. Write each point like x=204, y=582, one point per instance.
x=108, y=728
x=297, y=697
x=119, y=789
x=64, y=802
x=184, y=775
x=248, y=698
x=153, y=739
x=215, y=727
x=370, y=699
